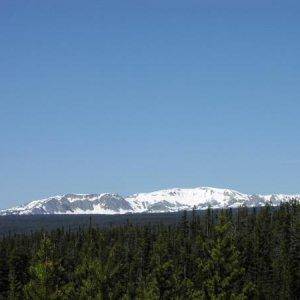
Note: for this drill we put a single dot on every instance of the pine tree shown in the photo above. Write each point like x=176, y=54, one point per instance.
x=216, y=255
x=222, y=272
x=261, y=269
x=4, y=273
x=292, y=280
x=18, y=265
x=45, y=273
x=96, y=277
x=165, y=280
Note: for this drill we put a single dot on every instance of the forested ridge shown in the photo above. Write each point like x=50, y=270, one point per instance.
x=248, y=254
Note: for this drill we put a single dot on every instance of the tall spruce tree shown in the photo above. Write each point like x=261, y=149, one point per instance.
x=222, y=272
x=4, y=272
x=45, y=273
x=96, y=277
x=18, y=276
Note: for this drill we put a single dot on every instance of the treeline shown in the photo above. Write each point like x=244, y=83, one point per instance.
x=20, y=224
x=246, y=254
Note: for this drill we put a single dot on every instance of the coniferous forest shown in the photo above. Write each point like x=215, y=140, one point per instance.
x=224, y=254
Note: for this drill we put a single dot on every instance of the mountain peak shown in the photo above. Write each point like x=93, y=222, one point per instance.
x=167, y=200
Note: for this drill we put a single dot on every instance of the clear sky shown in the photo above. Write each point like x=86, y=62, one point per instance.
x=126, y=96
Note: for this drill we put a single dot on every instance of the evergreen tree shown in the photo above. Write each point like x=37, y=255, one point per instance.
x=222, y=272
x=18, y=265
x=237, y=254
x=4, y=273
x=165, y=280
x=45, y=273
x=95, y=277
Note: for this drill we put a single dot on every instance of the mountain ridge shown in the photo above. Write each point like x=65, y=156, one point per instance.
x=167, y=200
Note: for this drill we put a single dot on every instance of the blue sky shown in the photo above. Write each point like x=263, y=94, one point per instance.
x=126, y=96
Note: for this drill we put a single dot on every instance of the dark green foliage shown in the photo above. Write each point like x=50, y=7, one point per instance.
x=242, y=254
x=222, y=270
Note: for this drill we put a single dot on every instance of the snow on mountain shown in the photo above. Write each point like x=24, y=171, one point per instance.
x=74, y=204
x=169, y=200
x=201, y=197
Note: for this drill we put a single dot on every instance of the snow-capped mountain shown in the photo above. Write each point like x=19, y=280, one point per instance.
x=159, y=201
